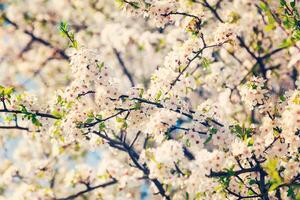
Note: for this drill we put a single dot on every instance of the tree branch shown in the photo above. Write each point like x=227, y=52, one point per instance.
x=89, y=189
x=124, y=68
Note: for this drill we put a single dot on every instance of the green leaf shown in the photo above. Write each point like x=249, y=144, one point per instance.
x=23, y=109
x=141, y=92
x=99, y=117
x=57, y=114
x=234, y=17
x=270, y=27
x=124, y=125
x=296, y=35
x=137, y=105
x=242, y=132
x=75, y=44
x=8, y=91
x=63, y=28
x=230, y=171
x=89, y=120
x=187, y=196
x=282, y=2
x=252, y=182
x=271, y=168
x=181, y=68
x=59, y=99
x=119, y=119
x=101, y=126
x=208, y=139
x=187, y=143
x=35, y=121
x=238, y=130
x=224, y=180
x=282, y=98
x=100, y=66
x=286, y=43
x=158, y=96
x=293, y=4
x=290, y=192
x=213, y=130
x=9, y=118
x=263, y=6
x=198, y=196
x=205, y=63
x=135, y=5
x=65, y=32
x=120, y=2
x=250, y=141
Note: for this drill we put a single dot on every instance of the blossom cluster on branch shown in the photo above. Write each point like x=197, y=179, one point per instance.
x=150, y=99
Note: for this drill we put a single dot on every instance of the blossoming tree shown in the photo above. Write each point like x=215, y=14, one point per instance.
x=150, y=99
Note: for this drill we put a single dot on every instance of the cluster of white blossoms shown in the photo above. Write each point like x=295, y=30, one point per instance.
x=161, y=99
x=160, y=12
x=253, y=92
x=158, y=9
x=225, y=33
x=291, y=118
x=27, y=100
